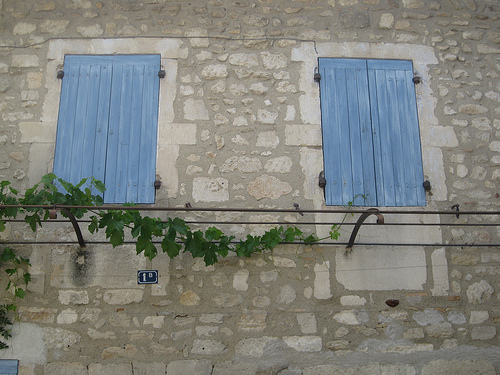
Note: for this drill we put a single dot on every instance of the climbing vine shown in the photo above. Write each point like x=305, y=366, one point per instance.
x=173, y=235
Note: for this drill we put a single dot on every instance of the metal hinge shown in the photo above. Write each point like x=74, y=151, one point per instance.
x=322, y=180
x=162, y=74
x=60, y=74
x=317, y=77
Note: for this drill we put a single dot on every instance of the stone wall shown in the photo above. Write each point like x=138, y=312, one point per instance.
x=239, y=126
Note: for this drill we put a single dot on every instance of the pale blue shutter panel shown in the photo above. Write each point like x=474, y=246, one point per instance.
x=347, y=143
x=83, y=118
x=396, y=135
x=108, y=122
x=131, y=153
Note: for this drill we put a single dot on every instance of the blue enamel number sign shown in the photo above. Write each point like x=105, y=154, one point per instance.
x=147, y=277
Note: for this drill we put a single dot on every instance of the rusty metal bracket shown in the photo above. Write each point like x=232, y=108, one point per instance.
x=74, y=222
x=362, y=218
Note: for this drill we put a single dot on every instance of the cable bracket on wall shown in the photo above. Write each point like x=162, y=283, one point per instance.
x=361, y=219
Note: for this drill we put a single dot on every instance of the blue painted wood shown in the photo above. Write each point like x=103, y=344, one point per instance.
x=9, y=366
x=370, y=133
x=399, y=168
x=108, y=123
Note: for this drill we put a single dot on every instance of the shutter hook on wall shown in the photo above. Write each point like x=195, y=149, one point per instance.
x=317, y=75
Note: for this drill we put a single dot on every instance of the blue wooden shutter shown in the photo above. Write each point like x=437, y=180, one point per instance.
x=396, y=135
x=107, y=124
x=9, y=366
x=347, y=143
x=371, y=140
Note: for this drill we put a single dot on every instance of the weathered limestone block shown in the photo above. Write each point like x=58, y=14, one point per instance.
x=352, y=301
x=322, y=280
x=120, y=319
x=181, y=335
x=456, y=317
x=154, y=368
x=65, y=368
x=228, y=300
x=57, y=338
x=206, y=330
x=478, y=317
x=304, y=343
x=53, y=26
x=268, y=276
x=394, y=346
x=96, y=335
x=74, y=297
x=110, y=369
x=243, y=164
x=354, y=19
x=274, y=61
x=194, y=367
x=252, y=321
x=265, y=116
x=37, y=314
x=483, y=333
x=472, y=109
x=23, y=28
x=440, y=330
x=351, y=317
x=246, y=60
x=208, y=347
x=212, y=318
x=67, y=316
x=123, y=296
x=91, y=31
x=189, y=298
x=479, y=292
x=155, y=321
x=240, y=280
x=307, y=323
x=442, y=367
x=254, y=347
x=268, y=139
x=210, y=189
x=386, y=21
x=266, y=186
x=428, y=317
x=286, y=295
x=215, y=71
x=282, y=164
x=114, y=352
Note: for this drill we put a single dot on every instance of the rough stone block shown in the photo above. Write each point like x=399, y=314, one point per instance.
x=442, y=367
x=155, y=368
x=123, y=296
x=210, y=189
x=194, y=367
x=27, y=344
x=65, y=368
x=110, y=369
x=304, y=343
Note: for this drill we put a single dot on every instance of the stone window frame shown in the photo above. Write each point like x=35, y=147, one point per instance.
x=308, y=134
x=170, y=135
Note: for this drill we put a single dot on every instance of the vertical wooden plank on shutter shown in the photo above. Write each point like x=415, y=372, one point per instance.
x=82, y=113
x=396, y=137
x=132, y=135
x=346, y=131
x=149, y=120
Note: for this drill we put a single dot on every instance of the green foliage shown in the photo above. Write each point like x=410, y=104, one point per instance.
x=174, y=235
